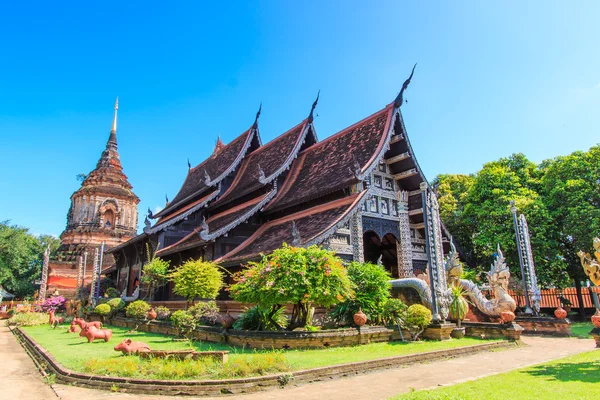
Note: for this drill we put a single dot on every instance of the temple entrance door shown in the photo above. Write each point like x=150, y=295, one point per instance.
x=390, y=254
x=386, y=247
x=371, y=246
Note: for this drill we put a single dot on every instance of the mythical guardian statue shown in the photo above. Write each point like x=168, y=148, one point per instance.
x=591, y=266
x=498, y=278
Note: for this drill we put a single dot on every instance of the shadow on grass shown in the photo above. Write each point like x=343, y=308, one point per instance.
x=587, y=372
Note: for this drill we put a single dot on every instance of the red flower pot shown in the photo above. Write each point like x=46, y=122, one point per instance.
x=560, y=313
x=507, y=316
x=360, y=318
x=596, y=319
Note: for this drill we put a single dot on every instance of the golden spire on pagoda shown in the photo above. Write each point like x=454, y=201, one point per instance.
x=114, y=125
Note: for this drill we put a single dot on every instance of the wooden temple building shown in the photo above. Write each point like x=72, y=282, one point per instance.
x=358, y=193
x=103, y=210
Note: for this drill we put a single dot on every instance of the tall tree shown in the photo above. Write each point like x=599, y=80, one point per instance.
x=570, y=188
x=21, y=257
x=453, y=194
x=476, y=209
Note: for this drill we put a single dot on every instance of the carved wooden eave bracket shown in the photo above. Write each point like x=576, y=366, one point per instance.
x=296, y=238
x=205, y=233
x=162, y=226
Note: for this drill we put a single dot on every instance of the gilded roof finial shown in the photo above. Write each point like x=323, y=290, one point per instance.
x=399, y=98
x=312, y=110
x=114, y=125
x=257, y=116
x=218, y=145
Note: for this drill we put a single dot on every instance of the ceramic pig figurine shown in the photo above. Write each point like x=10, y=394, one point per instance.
x=92, y=333
x=81, y=322
x=74, y=328
x=129, y=347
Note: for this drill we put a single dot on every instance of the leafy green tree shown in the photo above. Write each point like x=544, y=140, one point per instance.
x=21, y=257
x=453, y=191
x=477, y=211
x=197, y=278
x=154, y=273
x=570, y=188
x=371, y=290
x=305, y=277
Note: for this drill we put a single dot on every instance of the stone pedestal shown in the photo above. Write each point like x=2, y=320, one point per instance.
x=490, y=330
x=439, y=331
x=512, y=331
x=595, y=333
x=544, y=325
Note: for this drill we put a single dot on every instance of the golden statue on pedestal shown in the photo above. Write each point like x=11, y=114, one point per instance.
x=591, y=266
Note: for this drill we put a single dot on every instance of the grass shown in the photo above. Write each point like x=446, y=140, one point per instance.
x=574, y=377
x=581, y=329
x=98, y=357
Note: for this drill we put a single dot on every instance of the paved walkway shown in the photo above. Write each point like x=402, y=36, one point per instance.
x=23, y=381
x=19, y=379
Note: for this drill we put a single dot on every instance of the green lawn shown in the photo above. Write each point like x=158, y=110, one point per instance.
x=570, y=378
x=99, y=357
x=581, y=329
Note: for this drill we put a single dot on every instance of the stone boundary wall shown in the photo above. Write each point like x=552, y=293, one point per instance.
x=47, y=364
x=270, y=340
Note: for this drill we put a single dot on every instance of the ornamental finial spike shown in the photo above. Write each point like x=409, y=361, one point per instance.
x=400, y=99
x=114, y=124
x=312, y=110
x=257, y=116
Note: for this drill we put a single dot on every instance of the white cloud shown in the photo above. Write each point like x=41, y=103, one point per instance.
x=157, y=209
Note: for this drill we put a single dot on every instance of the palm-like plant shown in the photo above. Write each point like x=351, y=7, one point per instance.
x=458, y=305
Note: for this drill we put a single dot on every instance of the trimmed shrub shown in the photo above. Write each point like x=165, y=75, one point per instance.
x=184, y=322
x=102, y=309
x=138, y=310
x=418, y=317
x=197, y=278
x=257, y=319
x=206, y=312
x=116, y=304
x=112, y=292
x=162, y=313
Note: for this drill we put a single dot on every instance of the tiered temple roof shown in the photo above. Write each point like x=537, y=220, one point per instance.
x=208, y=174
x=338, y=162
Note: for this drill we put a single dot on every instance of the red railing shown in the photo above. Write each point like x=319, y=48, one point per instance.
x=550, y=297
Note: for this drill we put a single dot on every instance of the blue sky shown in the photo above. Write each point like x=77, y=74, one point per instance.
x=493, y=78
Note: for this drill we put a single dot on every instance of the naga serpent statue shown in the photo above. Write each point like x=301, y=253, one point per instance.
x=498, y=278
x=591, y=266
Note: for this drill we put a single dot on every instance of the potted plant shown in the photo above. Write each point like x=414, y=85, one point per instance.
x=458, y=310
